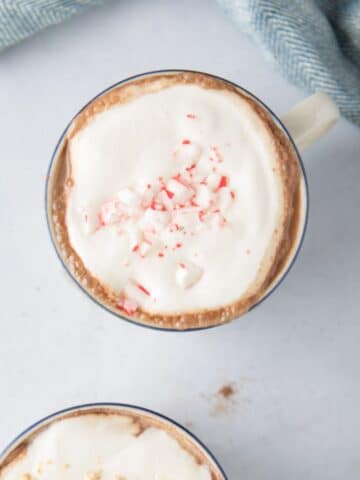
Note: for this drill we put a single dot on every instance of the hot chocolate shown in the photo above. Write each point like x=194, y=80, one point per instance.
x=174, y=200
x=108, y=444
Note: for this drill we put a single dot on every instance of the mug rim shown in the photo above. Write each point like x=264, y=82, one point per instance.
x=85, y=406
x=278, y=122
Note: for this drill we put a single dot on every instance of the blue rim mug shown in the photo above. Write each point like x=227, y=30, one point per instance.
x=15, y=446
x=302, y=126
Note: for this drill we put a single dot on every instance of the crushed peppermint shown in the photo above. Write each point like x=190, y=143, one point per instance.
x=223, y=182
x=143, y=289
x=188, y=274
x=127, y=306
x=155, y=215
x=218, y=156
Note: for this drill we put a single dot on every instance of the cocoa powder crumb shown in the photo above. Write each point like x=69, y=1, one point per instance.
x=226, y=391
x=223, y=400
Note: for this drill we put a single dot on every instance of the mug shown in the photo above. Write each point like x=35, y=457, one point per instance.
x=302, y=125
x=15, y=447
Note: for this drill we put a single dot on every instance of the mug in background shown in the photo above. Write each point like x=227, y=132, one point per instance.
x=186, y=440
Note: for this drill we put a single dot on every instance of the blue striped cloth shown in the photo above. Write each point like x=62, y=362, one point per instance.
x=314, y=43
x=21, y=18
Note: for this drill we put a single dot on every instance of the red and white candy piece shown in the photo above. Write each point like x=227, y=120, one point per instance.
x=216, y=221
x=213, y=181
x=136, y=291
x=181, y=191
x=203, y=196
x=135, y=235
x=189, y=172
x=216, y=181
x=216, y=155
x=149, y=246
x=143, y=184
x=187, y=152
x=128, y=197
x=154, y=219
x=166, y=198
x=146, y=192
x=225, y=198
x=110, y=212
x=188, y=274
x=128, y=306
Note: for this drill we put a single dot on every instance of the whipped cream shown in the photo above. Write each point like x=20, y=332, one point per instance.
x=104, y=447
x=176, y=199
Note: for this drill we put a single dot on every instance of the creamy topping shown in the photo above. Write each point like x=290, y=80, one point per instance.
x=172, y=192
x=104, y=447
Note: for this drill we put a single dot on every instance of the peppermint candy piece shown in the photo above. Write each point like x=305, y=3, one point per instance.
x=188, y=274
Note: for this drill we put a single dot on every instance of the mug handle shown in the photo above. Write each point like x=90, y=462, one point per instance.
x=310, y=119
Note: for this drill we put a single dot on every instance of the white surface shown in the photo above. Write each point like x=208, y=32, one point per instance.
x=295, y=360
x=106, y=164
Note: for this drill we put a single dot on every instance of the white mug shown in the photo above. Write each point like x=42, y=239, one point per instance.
x=21, y=441
x=302, y=125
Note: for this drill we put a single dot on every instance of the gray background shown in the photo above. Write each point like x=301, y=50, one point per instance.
x=294, y=361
